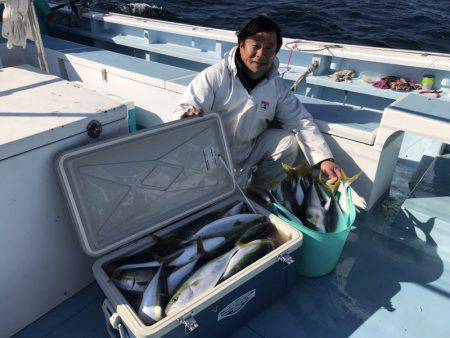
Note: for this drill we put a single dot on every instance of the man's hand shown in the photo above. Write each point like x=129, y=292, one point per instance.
x=194, y=112
x=331, y=169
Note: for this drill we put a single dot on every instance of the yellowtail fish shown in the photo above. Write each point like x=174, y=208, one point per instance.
x=314, y=212
x=344, y=196
x=154, y=299
x=179, y=275
x=296, y=175
x=229, y=223
x=192, y=250
x=150, y=264
x=254, y=232
x=235, y=210
x=134, y=281
x=247, y=254
x=201, y=282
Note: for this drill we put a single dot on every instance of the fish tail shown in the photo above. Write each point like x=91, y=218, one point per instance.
x=304, y=169
x=332, y=186
x=353, y=178
x=349, y=180
x=160, y=259
x=327, y=186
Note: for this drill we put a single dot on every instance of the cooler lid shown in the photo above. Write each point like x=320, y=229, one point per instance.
x=122, y=189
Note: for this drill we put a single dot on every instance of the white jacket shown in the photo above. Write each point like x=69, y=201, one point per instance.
x=217, y=89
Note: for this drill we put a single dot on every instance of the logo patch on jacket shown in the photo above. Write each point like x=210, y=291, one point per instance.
x=265, y=105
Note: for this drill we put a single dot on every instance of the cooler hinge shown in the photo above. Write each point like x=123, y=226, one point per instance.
x=286, y=259
x=190, y=324
x=113, y=320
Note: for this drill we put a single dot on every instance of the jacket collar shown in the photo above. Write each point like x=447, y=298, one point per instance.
x=231, y=64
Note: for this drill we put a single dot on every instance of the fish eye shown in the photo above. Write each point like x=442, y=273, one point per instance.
x=174, y=299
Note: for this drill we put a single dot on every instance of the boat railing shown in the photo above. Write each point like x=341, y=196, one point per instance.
x=212, y=43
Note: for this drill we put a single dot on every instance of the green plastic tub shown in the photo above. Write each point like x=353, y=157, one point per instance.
x=320, y=252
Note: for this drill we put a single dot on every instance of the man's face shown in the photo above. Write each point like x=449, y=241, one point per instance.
x=258, y=52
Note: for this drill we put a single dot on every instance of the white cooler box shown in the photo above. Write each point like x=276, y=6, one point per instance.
x=159, y=180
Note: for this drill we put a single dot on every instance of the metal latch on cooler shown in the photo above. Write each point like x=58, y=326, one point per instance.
x=190, y=324
x=286, y=259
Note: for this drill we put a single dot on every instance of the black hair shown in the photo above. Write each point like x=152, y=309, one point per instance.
x=260, y=23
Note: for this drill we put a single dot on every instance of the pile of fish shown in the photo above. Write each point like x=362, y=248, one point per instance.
x=184, y=266
x=321, y=205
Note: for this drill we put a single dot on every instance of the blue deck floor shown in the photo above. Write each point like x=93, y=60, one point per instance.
x=381, y=287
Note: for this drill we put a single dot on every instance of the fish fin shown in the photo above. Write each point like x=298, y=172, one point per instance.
x=271, y=184
x=157, y=239
x=333, y=186
x=291, y=171
x=353, y=178
x=200, y=248
x=165, y=241
x=287, y=167
x=159, y=259
x=166, y=260
x=304, y=169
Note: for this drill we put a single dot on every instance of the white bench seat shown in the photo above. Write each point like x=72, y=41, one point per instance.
x=347, y=121
x=355, y=86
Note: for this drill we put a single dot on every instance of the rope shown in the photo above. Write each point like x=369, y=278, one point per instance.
x=312, y=67
x=293, y=46
x=296, y=44
x=288, y=65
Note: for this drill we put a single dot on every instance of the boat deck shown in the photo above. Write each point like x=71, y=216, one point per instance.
x=385, y=284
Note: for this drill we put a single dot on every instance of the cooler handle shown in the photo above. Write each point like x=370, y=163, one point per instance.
x=113, y=321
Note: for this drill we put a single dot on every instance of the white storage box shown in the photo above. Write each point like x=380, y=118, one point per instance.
x=40, y=116
x=159, y=180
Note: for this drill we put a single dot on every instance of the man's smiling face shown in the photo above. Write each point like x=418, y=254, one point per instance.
x=258, y=52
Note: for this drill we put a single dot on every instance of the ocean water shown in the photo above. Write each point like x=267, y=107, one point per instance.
x=413, y=24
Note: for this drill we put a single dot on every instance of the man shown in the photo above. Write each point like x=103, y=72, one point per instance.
x=246, y=91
